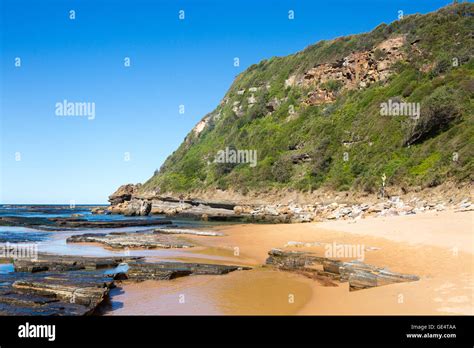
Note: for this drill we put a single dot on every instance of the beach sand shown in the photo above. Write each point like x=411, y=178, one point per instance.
x=436, y=246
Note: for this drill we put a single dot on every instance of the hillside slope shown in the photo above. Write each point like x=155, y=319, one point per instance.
x=318, y=118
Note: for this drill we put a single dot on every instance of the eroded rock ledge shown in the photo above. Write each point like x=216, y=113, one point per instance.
x=53, y=293
x=56, y=285
x=63, y=263
x=359, y=274
x=140, y=271
x=121, y=240
x=77, y=285
x=290, y=212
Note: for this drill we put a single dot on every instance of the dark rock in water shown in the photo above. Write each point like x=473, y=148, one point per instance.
x=69, y=222
x=131, y=240
x=51, y=293
x=22, y=237
x=359, y=274
x=57, y=285
x=23, y=221
x=140, y=271
x=109, y=224
x=61, y=263
x=76, y=285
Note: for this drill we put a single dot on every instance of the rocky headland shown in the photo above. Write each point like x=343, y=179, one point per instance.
x=273, y=208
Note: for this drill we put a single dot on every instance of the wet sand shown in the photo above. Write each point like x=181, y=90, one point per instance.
x=436, y=246
x=259, y=291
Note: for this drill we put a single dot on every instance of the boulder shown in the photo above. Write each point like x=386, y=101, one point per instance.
x=138, y=207
x=123, y=193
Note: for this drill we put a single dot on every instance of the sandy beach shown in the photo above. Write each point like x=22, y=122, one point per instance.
x=436, y=246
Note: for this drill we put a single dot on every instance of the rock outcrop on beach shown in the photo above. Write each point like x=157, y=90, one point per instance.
x=138, y=207
x=124, y=193
x=359, y=274
x=297, y=212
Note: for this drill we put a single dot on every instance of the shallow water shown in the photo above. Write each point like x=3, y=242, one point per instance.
x=55, y=241
x=6, y=268
x=258, y=291
x=255, y=292
x=13, y=234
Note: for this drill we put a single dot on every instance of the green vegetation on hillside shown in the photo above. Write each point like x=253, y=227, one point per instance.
x=345, y=144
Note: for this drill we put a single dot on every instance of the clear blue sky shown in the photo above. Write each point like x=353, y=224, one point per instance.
x=173, y=62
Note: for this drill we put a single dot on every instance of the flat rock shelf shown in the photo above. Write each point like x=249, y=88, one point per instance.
x=140, y=271
x=53, y=293
x=62, y=263
x=76, y=285
x=122, y=240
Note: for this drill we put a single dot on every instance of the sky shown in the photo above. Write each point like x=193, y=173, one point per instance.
x=49, y=158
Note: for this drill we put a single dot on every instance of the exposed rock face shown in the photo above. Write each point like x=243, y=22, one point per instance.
x=168, y=208
x=201, y=125
x=123, y=193
x=357, y=70
x=387, y=205
x=212, y=214
x=273, y=104
x=138, y=207
x=118, y=208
